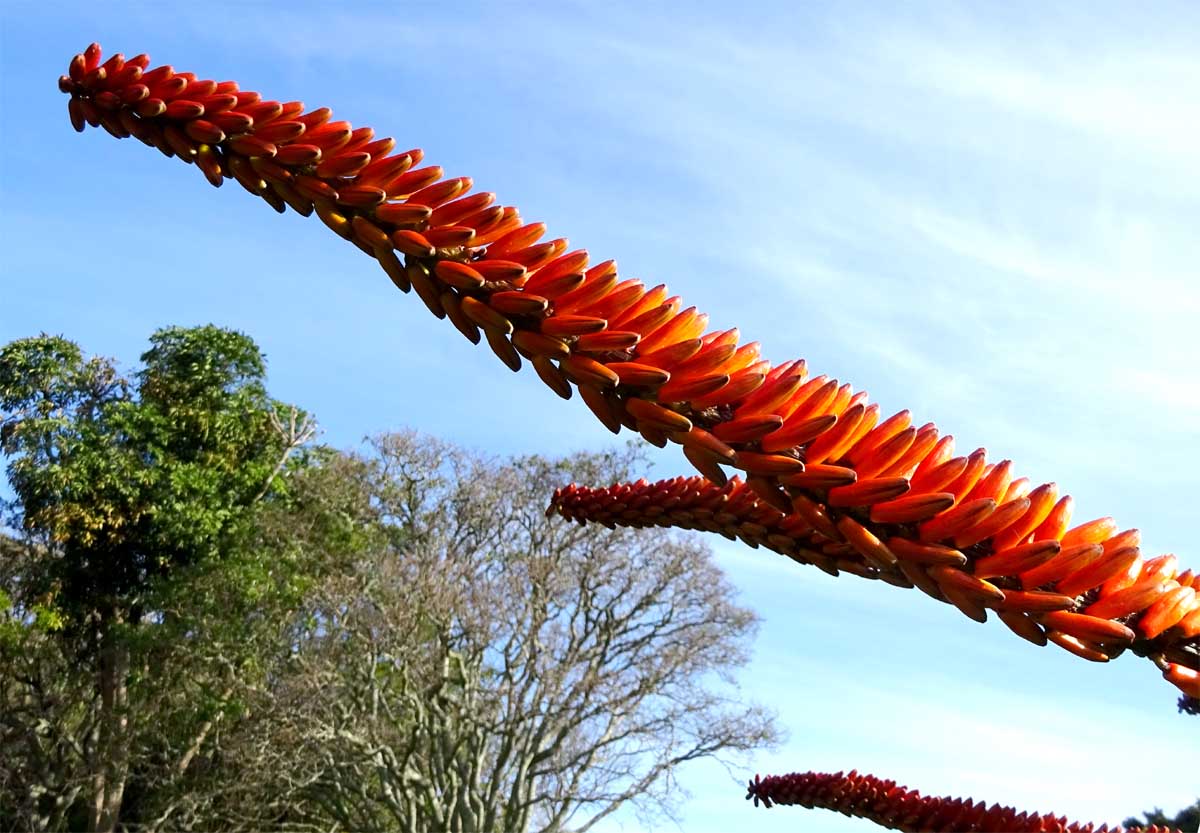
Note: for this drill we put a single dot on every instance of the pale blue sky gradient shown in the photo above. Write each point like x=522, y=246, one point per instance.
x=987, y=216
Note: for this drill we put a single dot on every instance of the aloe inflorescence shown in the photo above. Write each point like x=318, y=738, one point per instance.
x=885, y=495
x=824, y=477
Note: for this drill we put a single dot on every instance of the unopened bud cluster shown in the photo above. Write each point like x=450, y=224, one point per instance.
x=896, y=807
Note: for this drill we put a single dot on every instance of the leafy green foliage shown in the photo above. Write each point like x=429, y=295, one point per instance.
x=136, y=585
x=125, y=481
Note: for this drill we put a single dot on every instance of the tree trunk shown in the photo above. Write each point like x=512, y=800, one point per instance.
x=110, y=763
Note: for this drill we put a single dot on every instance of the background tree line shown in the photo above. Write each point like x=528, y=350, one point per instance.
x=210, y=621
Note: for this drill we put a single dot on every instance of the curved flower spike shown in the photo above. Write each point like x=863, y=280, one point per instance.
x=966, y=578
x=899, y=808
x=811, y=448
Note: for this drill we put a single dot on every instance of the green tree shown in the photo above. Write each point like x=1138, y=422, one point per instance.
x=480, y=666
x=1187, y=819
x=135, y=506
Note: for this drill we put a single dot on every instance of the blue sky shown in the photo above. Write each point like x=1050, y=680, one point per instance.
x=985, y=215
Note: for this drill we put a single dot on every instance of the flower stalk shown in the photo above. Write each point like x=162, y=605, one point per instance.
x=898, y=808
x=852, y=490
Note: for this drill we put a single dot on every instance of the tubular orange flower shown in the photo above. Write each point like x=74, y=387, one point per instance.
x=641, y=362
x=891, y=805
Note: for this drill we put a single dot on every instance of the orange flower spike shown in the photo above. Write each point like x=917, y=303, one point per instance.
x=656, y=416
x=808, y=386
x=560, y=276
x=476, y=263
x=1122, y=540
x=500, y=271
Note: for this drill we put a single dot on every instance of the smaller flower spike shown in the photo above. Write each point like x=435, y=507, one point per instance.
x=879, y=491
x=1092, y=625
x=898, y=808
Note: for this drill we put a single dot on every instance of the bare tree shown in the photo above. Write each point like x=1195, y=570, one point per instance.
x=491, y=668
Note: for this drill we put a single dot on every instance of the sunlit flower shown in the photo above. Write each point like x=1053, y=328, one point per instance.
x=878, y=496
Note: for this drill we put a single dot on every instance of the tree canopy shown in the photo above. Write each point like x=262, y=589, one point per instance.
x=130, y=492
x=208, y=622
